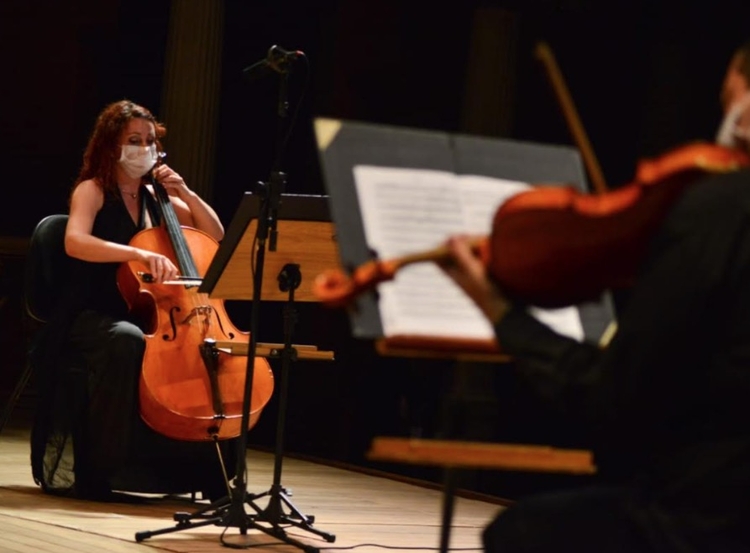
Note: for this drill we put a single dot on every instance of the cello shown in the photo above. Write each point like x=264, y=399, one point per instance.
x=189, y=389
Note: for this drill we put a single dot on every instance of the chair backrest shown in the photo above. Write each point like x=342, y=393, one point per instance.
x=47, y=267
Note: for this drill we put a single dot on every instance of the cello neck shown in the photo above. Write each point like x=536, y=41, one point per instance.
x=185, y=260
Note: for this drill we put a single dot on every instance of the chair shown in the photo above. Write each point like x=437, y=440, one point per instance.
x=46, y=261
x=160, y=468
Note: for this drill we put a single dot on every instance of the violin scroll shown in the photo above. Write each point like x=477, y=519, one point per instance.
x=335, y=289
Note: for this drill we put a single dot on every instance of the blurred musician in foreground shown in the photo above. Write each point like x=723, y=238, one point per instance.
x=734, y=131
x=665, y=407
x=666, y=404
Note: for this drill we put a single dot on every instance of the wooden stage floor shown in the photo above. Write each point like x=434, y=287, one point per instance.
x=365, y=513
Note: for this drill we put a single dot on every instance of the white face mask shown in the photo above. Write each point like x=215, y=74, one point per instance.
x=728, y=131
x=136, y=161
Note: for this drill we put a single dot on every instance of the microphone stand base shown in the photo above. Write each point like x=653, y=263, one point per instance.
x=225, y=513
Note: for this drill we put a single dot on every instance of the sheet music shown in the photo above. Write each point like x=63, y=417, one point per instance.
x=412, y=210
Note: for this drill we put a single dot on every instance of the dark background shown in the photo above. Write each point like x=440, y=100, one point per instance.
x=644, y=75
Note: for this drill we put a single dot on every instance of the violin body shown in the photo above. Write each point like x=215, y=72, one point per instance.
x=554, y=246
x=189, y=390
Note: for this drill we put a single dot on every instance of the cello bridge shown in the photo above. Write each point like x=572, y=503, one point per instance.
x=202, y=310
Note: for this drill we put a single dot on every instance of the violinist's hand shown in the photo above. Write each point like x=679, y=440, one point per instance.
x=172, y=181
x=468, y=271
x=160, y=266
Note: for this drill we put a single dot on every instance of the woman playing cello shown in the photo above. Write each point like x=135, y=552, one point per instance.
x=110, y=203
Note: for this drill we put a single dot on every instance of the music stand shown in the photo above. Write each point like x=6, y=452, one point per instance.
x=306, y=244
x=345, y=145
x=309, y=238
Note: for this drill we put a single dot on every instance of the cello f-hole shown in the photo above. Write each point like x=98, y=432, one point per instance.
x=221, y=327
x=172, y=324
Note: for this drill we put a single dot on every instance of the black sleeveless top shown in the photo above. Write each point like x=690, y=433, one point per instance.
x=86, y=285
x=94, y=285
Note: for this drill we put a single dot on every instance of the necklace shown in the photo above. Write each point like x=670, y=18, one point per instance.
x=133, y=195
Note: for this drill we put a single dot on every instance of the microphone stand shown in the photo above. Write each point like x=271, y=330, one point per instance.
x=230, y=511
x=289, y=279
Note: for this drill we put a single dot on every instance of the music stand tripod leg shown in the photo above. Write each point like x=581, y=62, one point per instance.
x=448, y=505
x=289, y=279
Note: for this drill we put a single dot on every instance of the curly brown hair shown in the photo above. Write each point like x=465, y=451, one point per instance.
x=100, y=156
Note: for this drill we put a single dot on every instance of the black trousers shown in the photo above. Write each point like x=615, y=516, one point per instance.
x=118, y=447
x=589, y=519
x=606, y=520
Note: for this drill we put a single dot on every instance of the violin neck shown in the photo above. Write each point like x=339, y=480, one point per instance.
x=437, y=255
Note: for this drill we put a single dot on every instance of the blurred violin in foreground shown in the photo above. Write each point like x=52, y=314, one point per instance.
x=554, y=246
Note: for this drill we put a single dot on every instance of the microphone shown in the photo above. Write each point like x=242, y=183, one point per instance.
x=277, y=60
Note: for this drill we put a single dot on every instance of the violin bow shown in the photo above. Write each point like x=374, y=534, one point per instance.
x=544, y=54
